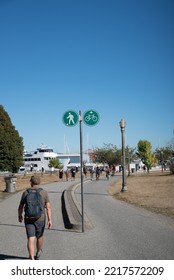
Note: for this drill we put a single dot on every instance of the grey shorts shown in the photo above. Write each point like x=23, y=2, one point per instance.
x=35, y=228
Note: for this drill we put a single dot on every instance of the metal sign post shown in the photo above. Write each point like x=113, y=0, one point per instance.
x=70, y=118
x=81, y=163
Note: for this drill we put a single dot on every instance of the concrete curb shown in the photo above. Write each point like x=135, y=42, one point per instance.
x=71, y=212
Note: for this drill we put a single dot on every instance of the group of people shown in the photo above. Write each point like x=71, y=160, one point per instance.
x=68, y=174
x=71, y=173
x=98, y=171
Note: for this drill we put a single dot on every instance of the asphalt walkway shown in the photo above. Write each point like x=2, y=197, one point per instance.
x=66, y=219
x=113, y=229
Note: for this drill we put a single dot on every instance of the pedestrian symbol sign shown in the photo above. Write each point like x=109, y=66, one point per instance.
x=91, y=117
x=70, y=118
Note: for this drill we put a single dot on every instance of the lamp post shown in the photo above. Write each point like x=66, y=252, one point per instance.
x=128, y=161
x=81, y=164
x=162, y=161
x=122, y=127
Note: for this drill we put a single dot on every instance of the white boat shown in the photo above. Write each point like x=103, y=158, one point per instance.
x=38, y=160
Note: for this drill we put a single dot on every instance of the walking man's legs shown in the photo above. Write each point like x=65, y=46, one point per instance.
x=30, y=246
x=35, y=232
x=39, y=245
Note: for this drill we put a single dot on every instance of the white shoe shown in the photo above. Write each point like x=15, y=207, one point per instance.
x=38, y=254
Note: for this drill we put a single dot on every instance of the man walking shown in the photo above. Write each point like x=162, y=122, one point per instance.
x=35, y=225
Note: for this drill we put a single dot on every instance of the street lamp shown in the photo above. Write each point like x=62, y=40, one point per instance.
x=128, y=161
x=122, y=126
x=162, y=161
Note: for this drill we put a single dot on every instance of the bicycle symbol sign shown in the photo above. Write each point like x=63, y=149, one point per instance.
x=91, y=117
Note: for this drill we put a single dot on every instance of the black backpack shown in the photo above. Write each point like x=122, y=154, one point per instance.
x=33, y=206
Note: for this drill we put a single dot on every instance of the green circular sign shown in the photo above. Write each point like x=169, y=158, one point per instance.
x=91, y=117
x=70, y=118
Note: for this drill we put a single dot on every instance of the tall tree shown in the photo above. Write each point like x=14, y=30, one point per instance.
x=164, y=153
x=108, y=154
x=144, y=151
x=11, y=144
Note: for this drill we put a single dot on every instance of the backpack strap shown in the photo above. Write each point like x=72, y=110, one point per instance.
x=35, y=189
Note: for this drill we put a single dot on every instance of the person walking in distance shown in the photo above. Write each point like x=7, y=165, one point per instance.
x=36, y=205
x=107, y=172
x=97, y=173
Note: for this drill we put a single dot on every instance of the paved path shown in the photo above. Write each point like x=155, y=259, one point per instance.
x=113, y=229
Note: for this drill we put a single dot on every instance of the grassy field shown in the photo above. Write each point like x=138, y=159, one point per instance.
x=153, y=191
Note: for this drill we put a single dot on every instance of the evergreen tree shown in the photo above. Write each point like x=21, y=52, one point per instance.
x=11, y=144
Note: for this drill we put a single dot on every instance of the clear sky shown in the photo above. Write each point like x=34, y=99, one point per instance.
x=114, y=56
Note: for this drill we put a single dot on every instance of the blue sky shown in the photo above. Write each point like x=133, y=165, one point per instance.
x=114, y=56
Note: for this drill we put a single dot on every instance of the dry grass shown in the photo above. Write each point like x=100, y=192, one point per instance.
x=153, y=191
x=23, y=182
